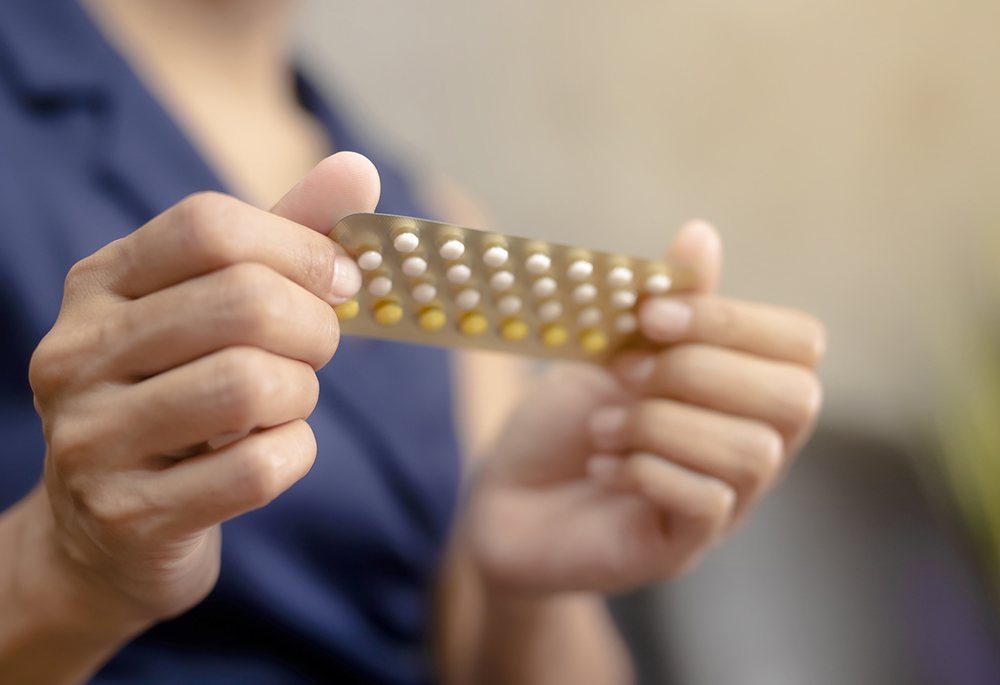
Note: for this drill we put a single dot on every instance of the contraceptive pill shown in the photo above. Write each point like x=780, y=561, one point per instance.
x=440, y=284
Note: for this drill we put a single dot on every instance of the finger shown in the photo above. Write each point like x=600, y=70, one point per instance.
x=242, y=305
x=748, y=455
x=787, y=396
x=245, y=475
x=341, y=184
x=695, y=508
x=699, y=247
x=237, y=390
x=775, y=332
x=209, y=231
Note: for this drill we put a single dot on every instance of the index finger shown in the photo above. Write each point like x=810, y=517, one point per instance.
x=774, y=332
x=210, y=231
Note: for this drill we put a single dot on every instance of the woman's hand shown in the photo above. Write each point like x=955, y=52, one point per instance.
x=606, y=480
x=174, y=387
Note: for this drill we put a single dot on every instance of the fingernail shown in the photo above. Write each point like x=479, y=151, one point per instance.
x=604, y=468
x=346, y=279
x=605, y=426
x=664, y=319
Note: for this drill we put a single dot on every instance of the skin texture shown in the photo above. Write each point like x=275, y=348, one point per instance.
x=204, y=327
x=608, y=479
x=173, y=391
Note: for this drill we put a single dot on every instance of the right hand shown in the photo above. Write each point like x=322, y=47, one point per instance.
x=205, y=325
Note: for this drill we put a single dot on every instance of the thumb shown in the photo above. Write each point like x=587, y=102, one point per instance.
x=699, y=247
x=342, y=184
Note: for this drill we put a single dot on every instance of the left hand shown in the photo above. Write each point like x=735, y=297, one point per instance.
x=607, y=479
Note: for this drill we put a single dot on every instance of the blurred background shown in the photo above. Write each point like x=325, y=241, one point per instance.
x=849, y=152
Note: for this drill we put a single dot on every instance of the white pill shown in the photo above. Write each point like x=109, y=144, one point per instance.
x=579, y=270
x=502, y=280
x=380, y=286
x=509, y=305
x=584, y=293
x=414, y=266
x=452, y=249
x=591, y=316
x=550, y=311
x=623, y=299
x=406, y=242
x=658, y=284
x=370, y=260
x=424, y=293
x=537, y=263
x=620, y=277
x=626, y=323
x=467, y=299
x=495, y=256
x=544, y=287
x=458, y=273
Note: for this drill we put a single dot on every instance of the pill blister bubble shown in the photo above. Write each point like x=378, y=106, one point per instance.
x=591, y=316
x=459, y=274
x=514, y=330
x=584, y=293
x=495, y=256
x=467, y=299
x=388, y=313
x=432, y=319
x=473, y=323
x=424, y=293
x=620, y=277
x=406, y=242
x=347, y=310
x=550, y=310
x=593, y=342
x=414, y=266
x=370, y=260
x=623, y=299
x=537, y=263
x=580, y=270
x=452, y=249
x=554, y=335
x=657, y=284
x=544, y=287
x=626, y=323
x=509, y=305
x=380, y=286
x=502, y=280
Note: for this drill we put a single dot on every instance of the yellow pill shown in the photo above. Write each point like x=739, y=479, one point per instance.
x=432, y=319
x=388, y=313
x=347, y=310
x=593, y=341
x=474, y=324
x=514, y=330
x=554, y=335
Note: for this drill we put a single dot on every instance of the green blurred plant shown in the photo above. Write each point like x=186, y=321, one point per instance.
x=970, y=429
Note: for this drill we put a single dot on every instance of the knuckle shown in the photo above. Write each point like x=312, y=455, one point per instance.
x=761, y=459
x=252, y=300
x=245, y=386
x=816, y=339
x=809, y=399
x=205, y=228
x=261, y=478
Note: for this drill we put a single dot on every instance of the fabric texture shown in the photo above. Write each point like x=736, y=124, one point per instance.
x=329, y=583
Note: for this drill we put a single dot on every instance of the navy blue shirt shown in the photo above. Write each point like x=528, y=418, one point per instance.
x=329, y=583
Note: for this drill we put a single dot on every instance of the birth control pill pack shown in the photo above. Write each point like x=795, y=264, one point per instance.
x=438, y=284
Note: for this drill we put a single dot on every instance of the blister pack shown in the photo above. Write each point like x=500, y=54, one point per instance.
x=438, y=284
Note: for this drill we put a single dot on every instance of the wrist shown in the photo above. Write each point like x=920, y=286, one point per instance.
x=52, y=598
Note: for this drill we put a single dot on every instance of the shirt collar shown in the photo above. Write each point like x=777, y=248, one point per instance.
x=52, y=50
